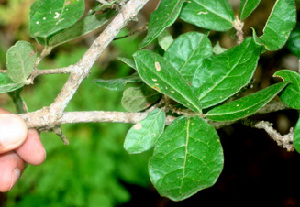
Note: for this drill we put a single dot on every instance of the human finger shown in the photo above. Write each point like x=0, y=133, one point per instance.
x=11, y=168
x=32, y=150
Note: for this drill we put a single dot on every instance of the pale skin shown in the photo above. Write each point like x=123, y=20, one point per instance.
x=18, y=146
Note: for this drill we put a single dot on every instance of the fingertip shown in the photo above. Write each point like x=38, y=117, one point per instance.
x=13, y=132
x=32, y=151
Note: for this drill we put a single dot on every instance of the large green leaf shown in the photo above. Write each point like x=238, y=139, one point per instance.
x=136, y=99
x=297, y=137
x=7, y=85
x=47, y=17
x=143, y=135
x=118, y=84
x=222, y=75
x=279, y=26
x=291, y=94
x=187, y=52
x=81, y=28
x=187, y=158
x=20, y=61
x=245, y=106
x=161, y=76
x=215, y=15
x=247, y=7
x=164, y=16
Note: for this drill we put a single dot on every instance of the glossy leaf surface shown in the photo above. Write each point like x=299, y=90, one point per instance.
x=247, y=7
x=245, y=106
x=222, y=75
x=164, y=16
x=216, y=15
x=187, y=52
x=279, y=26
x=161, y=76
x=143, y=135
x=187, y=158
x=291, y=94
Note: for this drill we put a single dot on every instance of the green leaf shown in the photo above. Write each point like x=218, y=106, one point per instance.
x=161, y=76
x=279, y=26
x=216, y=15
x=47, y=17
x=222, y=75
x=187, y=52
x=297, y=137
x=136, y=99
x=291, y=94
x=187, y=158
x=247, y=7
x=118, y=84
x=144, y=134
x=165, y=39
x=293, y=43
x=164, y=16
x=128, y=62
x=245, y=106
x=7, y=85
x=80, y=28
x=20, y=61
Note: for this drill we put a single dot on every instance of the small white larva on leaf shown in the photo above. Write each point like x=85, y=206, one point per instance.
x=157, y=66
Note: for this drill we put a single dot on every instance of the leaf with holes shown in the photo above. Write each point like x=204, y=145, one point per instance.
x=136, y=99
x=222, y=75
x=247, y=7
x=20, y=61
x=291, y=94
x=7, y=85
x=164, y=16
x=216, y=15
x=245, y=106
x=187, y=52
x=161, y=76
x=144, y=134
x=47, y=17
x=187, y=158
x=279, y=26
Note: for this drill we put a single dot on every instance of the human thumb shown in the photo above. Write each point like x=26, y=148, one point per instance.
x=13, y=132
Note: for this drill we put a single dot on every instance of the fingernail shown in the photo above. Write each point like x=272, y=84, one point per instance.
x=14, y=178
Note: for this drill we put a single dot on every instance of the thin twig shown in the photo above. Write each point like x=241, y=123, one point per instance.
x=81, y=69
x=37, y=73
x=285, y=141
x=239, y=25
